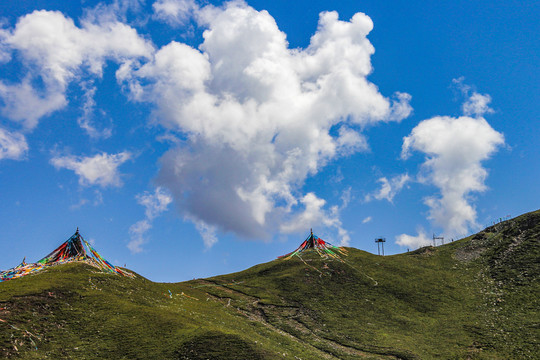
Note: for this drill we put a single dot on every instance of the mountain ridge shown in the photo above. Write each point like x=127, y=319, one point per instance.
x=472, y=298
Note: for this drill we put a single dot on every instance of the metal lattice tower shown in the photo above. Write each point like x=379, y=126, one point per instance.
x=435, y=238
x=380, y=245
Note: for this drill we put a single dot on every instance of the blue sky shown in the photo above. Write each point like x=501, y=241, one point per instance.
x=188, y=139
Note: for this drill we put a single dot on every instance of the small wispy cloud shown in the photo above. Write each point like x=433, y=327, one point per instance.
x=100, y=169
x=315, y=213
x=476, y=104
x=155, y=204
x=86, y=121
x=174, y=12
x=208, y=233
x=79, y=205
x=389, y=188
x=137, y=232
x=13, y=145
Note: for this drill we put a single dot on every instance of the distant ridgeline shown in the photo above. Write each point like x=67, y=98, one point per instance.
x=73, y=249
x=323, y=248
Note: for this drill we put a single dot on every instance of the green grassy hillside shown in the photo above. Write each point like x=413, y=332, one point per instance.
x=475, y=298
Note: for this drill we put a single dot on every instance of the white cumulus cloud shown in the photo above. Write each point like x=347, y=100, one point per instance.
x=58, y=48
x=454, y=149
x=100, y=169
x=12, y=145
x=259, y=118
x=56, y=52
x=414, y=242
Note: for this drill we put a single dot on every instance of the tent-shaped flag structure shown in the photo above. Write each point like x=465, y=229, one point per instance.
x=73, y=249
x=323, y=248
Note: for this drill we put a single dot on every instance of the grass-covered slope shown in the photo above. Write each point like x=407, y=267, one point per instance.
x=73, y=311
x=474, y=298
x=477, y=298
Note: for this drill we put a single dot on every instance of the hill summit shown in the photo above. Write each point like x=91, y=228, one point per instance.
x=73, y=249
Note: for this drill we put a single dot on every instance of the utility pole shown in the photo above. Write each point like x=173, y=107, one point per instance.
x=380, y=244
